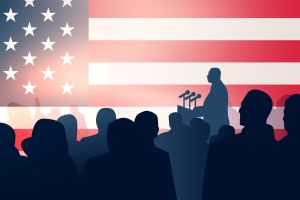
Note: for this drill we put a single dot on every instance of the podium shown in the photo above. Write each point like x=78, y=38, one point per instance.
x=186, y=114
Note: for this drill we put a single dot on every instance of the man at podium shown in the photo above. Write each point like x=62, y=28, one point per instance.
x=215, y=107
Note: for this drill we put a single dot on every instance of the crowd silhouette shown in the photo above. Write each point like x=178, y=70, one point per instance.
x=127, y=159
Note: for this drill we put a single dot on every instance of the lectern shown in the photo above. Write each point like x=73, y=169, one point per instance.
x=188, y=114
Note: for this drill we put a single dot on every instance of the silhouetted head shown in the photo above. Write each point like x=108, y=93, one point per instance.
x=226, y=131
x=48, y=140
x=175, y=120
x=255, y=108
x=120, y=135
x=214, y=75
x=146, y=124
x=291, y=114
x=104, y=117
x=198, y=126
x=70, y=124
x=7, y=137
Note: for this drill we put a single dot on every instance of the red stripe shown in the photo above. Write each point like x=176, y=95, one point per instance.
x=21, y=134
x=194, y=51
x=194, y=8
x=167, y=95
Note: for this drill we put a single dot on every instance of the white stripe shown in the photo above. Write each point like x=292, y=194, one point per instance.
x=192, y=73
x=90, y=113
x=194, y=28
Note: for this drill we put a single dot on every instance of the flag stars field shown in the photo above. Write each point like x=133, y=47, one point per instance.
x=38, y=46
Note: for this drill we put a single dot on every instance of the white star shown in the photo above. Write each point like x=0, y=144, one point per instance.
x=48, y=15
x=10, y=44
x=29, y=29
x=67, y=88
x=10, y=73
x=67, y=59
x=29, y=2
x=48, y=73
x=29, y=88
x=48, y=44
x=67, y=29
x=10, y=15
x=29, y=59
x=67, y=2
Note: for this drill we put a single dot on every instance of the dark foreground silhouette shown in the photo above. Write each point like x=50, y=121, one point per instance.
x=123, y=162
x=242, y=166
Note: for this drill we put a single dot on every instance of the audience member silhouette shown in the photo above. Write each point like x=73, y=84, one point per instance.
x=225, y=131
x=53, y=173
x=242, y=167
x=13, y=167
x=133, y=168
x=154, y=169
x=187, y=147
x=97, y=144
x=289, y=151
x=113, y=175
x=70, y=124
x=165, y=140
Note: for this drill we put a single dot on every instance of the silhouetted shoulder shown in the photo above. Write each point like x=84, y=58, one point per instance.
x=161, y=152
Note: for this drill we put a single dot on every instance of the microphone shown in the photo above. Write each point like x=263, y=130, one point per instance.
x=191, y=95
x=195, y=100
x=196, y=97
x=185, y=93
x=183, y=97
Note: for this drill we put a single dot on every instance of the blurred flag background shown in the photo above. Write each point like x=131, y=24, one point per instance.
x=75, y=56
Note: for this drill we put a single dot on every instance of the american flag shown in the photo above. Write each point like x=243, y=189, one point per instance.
x=135, y=55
